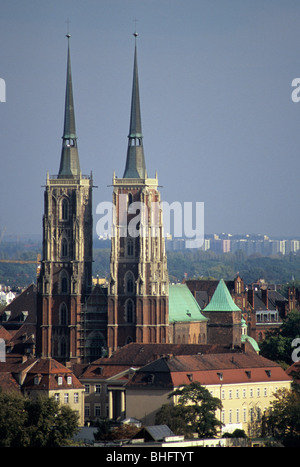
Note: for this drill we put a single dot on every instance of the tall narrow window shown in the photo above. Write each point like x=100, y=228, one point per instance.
x=129, y=312
x=129, y=282
x=65, y=210
x=64, y=284
x=63, y=314
x=64, y=248
x=63, y=348
x=129, y=247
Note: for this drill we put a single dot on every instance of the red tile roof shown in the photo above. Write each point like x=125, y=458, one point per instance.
x=135, y=354
x=47, y=369
x=209, y=369
x=8, y=382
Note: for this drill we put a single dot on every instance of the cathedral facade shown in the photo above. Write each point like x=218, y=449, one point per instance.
x=138, y=285
x=65, y=276
x=136, y=300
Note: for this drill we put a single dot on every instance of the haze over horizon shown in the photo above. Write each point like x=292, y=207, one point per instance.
x=218, y=120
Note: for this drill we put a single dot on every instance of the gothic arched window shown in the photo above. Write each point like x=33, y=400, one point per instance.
x=63, y=347
x=129, y=247
x=65, y=209
x=64, y=282
x=63, y=314
x=64, y=248
x=129, y=281
x=129, y=311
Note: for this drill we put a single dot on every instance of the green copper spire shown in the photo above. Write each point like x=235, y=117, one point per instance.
x=69, y=163
x=135, y=162
x=221, y=300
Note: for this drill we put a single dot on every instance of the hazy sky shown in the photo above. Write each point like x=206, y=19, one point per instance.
x=218, y=120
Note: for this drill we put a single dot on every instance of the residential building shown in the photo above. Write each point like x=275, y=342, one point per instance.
x=19, y=320
x=244, y=382
x=105, y=379
x=35, y=377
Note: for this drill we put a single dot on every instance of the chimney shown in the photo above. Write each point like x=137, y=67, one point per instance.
x=251, y=297
x=265, y=297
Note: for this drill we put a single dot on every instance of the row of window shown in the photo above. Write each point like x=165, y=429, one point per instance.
x=243, y=415
x=97, y=411
x=67, y=396
x=244, y=393
x=60, y=380
x=94, y=388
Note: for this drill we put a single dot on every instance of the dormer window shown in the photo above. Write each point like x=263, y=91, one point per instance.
x=59, y=380
x=24, y=315
x=69, y=379
x=6, y=315
x=36, y=380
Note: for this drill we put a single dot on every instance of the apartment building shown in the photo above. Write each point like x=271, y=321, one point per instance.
x=35, y=377
x=244, y=382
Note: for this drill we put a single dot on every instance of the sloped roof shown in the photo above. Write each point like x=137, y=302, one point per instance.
x=138, y=354
x=8, y=382
x=26, y=301
x=182, y=305
x=207, y=369
x=251, y=340
x=48, y=369
x=4, y=334
x=221, y=300
x=155, y=432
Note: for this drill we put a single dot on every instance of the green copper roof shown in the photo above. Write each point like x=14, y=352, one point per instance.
x=245, y=337
x=135, y=161
x=221, y=300
x=182, y=305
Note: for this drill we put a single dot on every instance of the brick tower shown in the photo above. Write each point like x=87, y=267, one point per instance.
x=224, y=318
x=138, y=286
x=66, y=267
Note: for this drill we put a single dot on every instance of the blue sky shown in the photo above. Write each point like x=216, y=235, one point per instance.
x=219, y=123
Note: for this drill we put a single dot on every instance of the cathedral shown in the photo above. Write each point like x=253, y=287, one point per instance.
x=65, y=277
x=78, y=322
x=134, y=308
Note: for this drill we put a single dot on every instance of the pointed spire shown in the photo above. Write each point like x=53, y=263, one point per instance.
x=221, y=299
x=69, y=163
x=135, y=162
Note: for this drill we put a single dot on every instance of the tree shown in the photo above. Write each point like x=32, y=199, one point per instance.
x=283, y=417
x=174, y=418
x=107, y=432
x=35, y=423
x=277, y=345
x=49, y=424
x=12, y=420
x=195, y=412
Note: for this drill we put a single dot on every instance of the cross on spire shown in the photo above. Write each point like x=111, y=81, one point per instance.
x=69, y=163
x=135, y=162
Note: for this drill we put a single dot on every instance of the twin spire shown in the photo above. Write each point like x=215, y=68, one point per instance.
x=69, y=162
x=135, y=161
